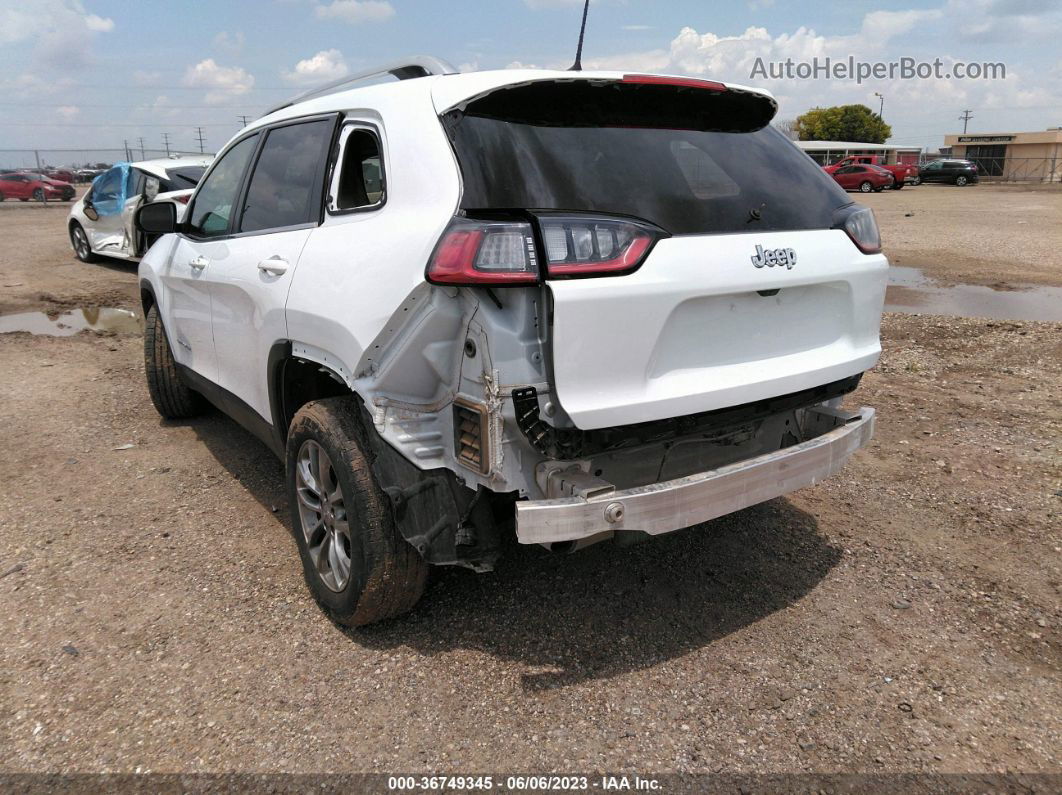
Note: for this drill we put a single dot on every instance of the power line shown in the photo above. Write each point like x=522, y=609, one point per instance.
x=243, y=120
x=199, y=137
x=965, y=119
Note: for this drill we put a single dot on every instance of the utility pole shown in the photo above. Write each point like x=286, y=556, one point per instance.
x=125, y=145
x=243, y=120
x=965, y=119
x=199, y=137
x=142, y=156
x=881, y=108
x=166, y=142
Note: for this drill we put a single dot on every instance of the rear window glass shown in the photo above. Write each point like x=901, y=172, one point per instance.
x=183, y=178
x=686, y=181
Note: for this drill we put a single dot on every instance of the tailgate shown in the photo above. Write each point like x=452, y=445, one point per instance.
x=700, y=327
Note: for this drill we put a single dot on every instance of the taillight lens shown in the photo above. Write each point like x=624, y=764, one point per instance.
x=863, y=229
x=484, y=252
x=589, y=246
x=182, y=199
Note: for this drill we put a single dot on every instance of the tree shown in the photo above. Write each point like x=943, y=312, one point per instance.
x=843, y=123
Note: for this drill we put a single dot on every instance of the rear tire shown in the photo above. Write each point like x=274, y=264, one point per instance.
x=865, y=187
x=897, y=185
x=356, y=564
x=1, y=197
x=171, y=398
x=38, y=196
x=916, y=181
x=961, y=181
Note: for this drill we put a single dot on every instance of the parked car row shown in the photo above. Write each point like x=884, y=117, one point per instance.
x=865, y=173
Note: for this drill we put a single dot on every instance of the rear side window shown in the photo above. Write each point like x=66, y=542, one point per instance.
x=182, y=178
x=687, y=181
x=358, y=182
x=285, y=187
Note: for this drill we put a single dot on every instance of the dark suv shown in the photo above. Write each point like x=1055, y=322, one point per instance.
x=957, y=172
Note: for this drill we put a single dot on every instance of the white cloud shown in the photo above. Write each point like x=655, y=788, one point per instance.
x=536, y=4
x=324, y=66
x=230, y=43
x=222, y=82
x=99, y=24
x=20, y=20
x=357, y=11
x=637, y=27
x=68, y=111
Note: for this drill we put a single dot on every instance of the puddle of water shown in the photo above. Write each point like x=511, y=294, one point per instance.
x=910, y=291
x=119, y=321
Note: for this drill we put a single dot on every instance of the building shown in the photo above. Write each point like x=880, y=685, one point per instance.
x=1016, y=156
x=826, y=152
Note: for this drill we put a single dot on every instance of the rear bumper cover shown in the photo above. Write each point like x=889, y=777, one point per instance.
x=683, y=502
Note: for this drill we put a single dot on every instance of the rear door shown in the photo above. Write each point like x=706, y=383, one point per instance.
x=249, y=281
x=753, y=293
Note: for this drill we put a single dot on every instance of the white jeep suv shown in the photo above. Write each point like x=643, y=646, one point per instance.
x=570, y=305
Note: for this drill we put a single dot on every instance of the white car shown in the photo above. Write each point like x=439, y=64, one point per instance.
x=571, y=305
x=101, y=221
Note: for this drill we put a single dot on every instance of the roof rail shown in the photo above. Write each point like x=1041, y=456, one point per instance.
x=403, y=69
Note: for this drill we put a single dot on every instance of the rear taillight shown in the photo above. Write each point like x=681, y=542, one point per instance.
x=863, y=229
x=484, y=252
x=680, y=82
x=579, y=245
x=500, y=253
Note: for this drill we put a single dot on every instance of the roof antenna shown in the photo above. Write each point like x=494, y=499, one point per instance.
x=578, y=65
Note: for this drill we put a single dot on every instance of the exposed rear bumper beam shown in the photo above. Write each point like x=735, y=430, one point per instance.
x=683, y=502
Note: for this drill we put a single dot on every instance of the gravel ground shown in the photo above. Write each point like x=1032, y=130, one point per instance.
x=997, y=235
x=902, y=616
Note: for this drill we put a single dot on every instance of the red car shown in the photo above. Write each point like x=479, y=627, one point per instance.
x=24, y=186
x=60, y=175
x=864, y=178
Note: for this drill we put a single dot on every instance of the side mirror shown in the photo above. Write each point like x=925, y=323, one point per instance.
x=151, y=188
x=156, y=219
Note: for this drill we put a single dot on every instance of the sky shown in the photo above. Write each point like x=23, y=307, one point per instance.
x=96, y=73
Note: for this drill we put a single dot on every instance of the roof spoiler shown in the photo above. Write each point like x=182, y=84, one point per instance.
x=403, y=69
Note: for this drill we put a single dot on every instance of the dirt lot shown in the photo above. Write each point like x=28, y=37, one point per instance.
x=901, y=616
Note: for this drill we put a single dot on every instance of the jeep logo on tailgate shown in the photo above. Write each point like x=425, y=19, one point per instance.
x=774, y=256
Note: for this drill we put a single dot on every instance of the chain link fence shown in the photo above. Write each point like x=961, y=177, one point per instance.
x=84, y=161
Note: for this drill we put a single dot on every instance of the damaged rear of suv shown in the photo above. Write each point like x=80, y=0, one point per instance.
x=573, y=306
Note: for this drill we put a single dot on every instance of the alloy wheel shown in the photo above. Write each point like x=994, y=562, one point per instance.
x=323, y=515
x=81, y=245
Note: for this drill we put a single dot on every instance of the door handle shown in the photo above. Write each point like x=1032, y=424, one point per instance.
x=274, y=265
x=198, y=263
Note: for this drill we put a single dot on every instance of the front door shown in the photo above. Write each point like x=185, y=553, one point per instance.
x=106, y=233
x=199, y=254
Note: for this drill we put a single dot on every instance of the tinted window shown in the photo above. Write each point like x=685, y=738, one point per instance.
x=686, y=181
x=212, y=209
x=134, y=183
x=182, y=178
x=360, y=181
x=285, y=187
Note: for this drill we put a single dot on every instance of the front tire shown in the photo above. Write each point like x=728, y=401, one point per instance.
x=38, y=195
x=916, y=181
x=171, y=398
x=897, y=185
x=357, y=565
x=961, y=181
x=865, y=187
x=79, y=240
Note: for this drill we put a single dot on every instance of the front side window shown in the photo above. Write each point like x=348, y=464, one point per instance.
x=212, y=210
x=359, y=178
x=285, y=188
